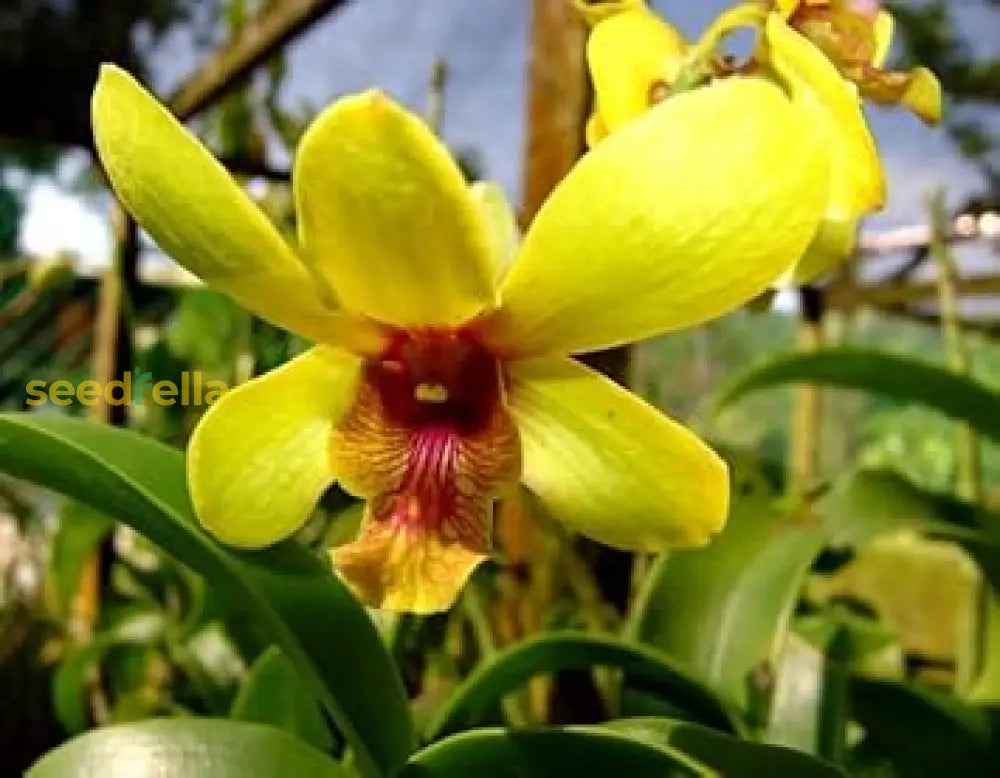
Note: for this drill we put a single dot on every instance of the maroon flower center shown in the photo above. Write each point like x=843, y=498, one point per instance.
x=441, y=379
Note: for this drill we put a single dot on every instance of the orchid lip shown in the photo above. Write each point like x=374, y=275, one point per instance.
x=430, y=443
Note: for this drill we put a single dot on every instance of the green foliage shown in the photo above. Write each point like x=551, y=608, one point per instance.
x=645, y=669
x=724, y=609
x=203, y=312
x=576, y=752
x=865, y=505
x=722, y=753
x=275, y=693
x=77, y=537
x=902, y=378
x=285, y=590
x=924, y=731
x=187, y=748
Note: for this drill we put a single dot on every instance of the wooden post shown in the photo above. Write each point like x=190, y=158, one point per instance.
x=558, y=99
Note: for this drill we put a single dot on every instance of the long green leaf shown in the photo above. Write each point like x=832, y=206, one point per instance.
x=646, y=669
x=274, y=693
x=186, y=748
x=925, y=732
x=573, y=752
x=724, y=609
x=901, y=378
x=730, y=756
x=285, y=589
x=868, y=503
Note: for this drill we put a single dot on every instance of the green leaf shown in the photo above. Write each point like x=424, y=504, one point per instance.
x=572, y=752
x=901, y=378
x=186, y=748
x=730, y=756
x=926, y=732
x=646, y=669
x=796, y=710
x=284, y=589
x=77, y=537
x=201, y=311
x=71, y=682
x=868, y=503
x=273, y=693
x=724, y=609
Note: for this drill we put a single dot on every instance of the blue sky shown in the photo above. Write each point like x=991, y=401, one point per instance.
x=391, y=44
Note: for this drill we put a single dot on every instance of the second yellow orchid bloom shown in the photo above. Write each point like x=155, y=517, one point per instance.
x=856, y=36
x=635, y=59
x=442, y=379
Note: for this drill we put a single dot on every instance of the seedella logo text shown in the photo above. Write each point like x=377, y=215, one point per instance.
x=133, y=389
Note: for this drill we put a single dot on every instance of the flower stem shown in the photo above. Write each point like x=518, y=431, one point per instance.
x=968, y=476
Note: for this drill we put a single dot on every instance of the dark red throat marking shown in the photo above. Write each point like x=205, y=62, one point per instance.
x=437, y=378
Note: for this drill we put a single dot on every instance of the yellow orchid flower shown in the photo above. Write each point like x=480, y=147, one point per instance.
x=439, y=381
x=856, y=36
x=636, y=59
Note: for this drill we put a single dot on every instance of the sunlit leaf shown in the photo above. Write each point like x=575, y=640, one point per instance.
x=729, y=756
x=724, y=609
x=866, y=504
x=186, y=748
x=572, y=752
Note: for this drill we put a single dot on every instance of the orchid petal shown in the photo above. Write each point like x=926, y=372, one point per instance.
x=684, y=214
x=258, y=460
x=199, y=215
x=632, y=55
x=386, y=218
x=610, y=466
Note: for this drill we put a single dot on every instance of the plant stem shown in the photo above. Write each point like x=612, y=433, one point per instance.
x=968, y=477
x=805, y=442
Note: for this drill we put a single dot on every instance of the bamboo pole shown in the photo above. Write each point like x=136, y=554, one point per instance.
x=968, y=467
x=968, y=476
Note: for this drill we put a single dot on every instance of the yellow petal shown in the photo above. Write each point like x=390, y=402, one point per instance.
x=610, y=466
x=633, y=56
x=595, y=130
x=686, y=213
x=885, y=26
x=408, y=569
x=198, y=214
x=386, y=218
x=917, y=89
x=594, y=11
x=501, y=221
x=857, y=181
x=258, y=460
x=835, y=242
x=787, y=7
